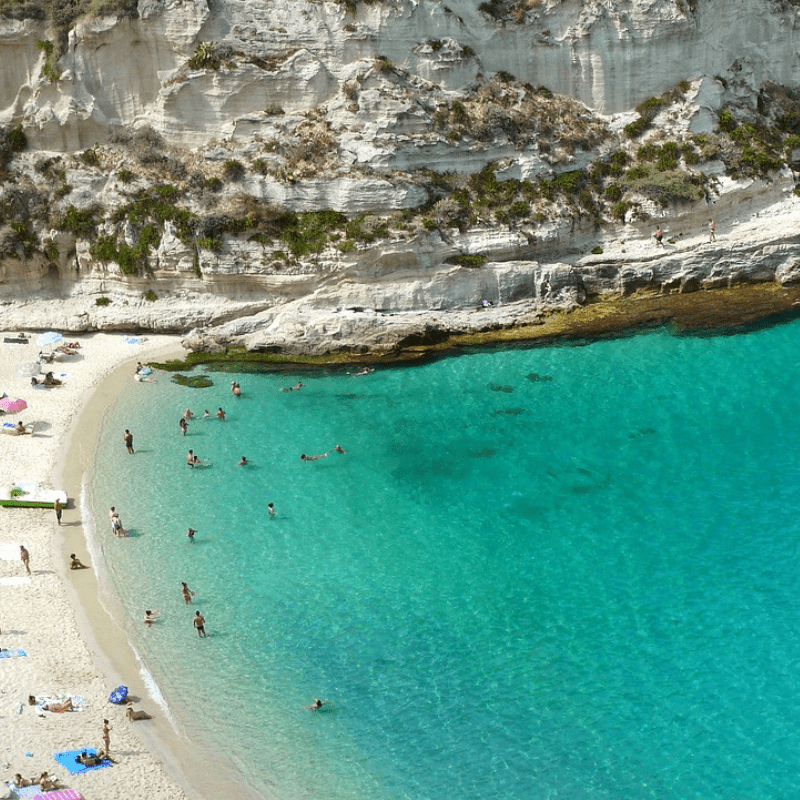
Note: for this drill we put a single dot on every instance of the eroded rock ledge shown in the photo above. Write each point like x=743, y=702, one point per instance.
x=392, y=306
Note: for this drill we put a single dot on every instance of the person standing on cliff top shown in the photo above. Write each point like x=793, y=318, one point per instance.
x=712, y=231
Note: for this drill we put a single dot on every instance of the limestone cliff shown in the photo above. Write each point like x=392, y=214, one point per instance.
x=312, y=176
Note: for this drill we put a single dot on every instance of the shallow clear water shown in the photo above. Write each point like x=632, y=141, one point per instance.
x=565, y=572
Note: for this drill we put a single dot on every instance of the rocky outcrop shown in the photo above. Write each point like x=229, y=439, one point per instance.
x=177, y=156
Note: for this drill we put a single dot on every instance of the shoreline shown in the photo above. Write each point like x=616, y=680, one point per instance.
x=64, y=620
x=108, y=642
x=61, y=607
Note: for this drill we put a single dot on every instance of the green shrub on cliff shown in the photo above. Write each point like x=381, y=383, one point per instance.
x=79, y=222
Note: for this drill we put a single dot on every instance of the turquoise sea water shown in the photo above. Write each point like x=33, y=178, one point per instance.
x=562, y=572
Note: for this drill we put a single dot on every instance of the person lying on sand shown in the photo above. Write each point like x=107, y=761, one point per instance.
x=134, y=715
x=47, y=782
x=90, y=760
x=19, y=781
x=59, y=708
x=75, y=562
x=50, y=380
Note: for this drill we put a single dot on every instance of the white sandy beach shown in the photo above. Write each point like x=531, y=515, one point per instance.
x=45, y=618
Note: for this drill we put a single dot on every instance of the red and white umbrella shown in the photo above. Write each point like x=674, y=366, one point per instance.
x=11, y=405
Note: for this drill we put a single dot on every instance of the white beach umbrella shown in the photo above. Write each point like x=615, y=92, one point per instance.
x=26, y=370
x=49, y=338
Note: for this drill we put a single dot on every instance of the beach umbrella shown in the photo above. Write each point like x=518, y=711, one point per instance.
x=26, y=370
x=12, y=406
x=49, y=338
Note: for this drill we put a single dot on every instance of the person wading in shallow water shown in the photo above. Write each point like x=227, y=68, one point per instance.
x=200, y=624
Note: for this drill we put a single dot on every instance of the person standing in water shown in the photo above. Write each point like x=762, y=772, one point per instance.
x=187, y=593
x=199, y=624
x=127, y=437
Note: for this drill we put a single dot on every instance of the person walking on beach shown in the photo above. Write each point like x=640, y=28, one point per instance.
x=712, y=231
x=58, y=508
x=200, y=624
x=25, y=557
x=187, y=593
x=127, y=437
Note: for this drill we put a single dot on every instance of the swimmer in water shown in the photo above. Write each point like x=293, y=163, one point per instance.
x=190, y=534
x=304, y=457
x=150, y=617
x=318, y=704
x=271, y=509
x=339, y=449
x=242, y=462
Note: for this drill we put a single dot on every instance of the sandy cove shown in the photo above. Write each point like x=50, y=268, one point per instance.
x=56, y=619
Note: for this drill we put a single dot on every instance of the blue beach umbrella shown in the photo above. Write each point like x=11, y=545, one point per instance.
x=49, y=338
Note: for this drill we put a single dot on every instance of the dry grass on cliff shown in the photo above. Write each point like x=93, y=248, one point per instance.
x=503, y=108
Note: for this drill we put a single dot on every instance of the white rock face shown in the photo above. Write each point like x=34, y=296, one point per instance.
x=341, y=111
x=609, y=54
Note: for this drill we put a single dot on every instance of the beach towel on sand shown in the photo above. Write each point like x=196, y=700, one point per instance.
x=24, y=791
x=12, y=653
x=60, y=794
x=67, y=760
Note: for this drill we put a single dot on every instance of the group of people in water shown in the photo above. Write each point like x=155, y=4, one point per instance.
x=151, y=616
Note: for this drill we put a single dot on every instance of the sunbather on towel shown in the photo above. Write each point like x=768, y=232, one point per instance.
x=90, y=759
x=47, y=782
x=19, y=781
x=59, y=708
x=18, y=430
x=50, y=380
